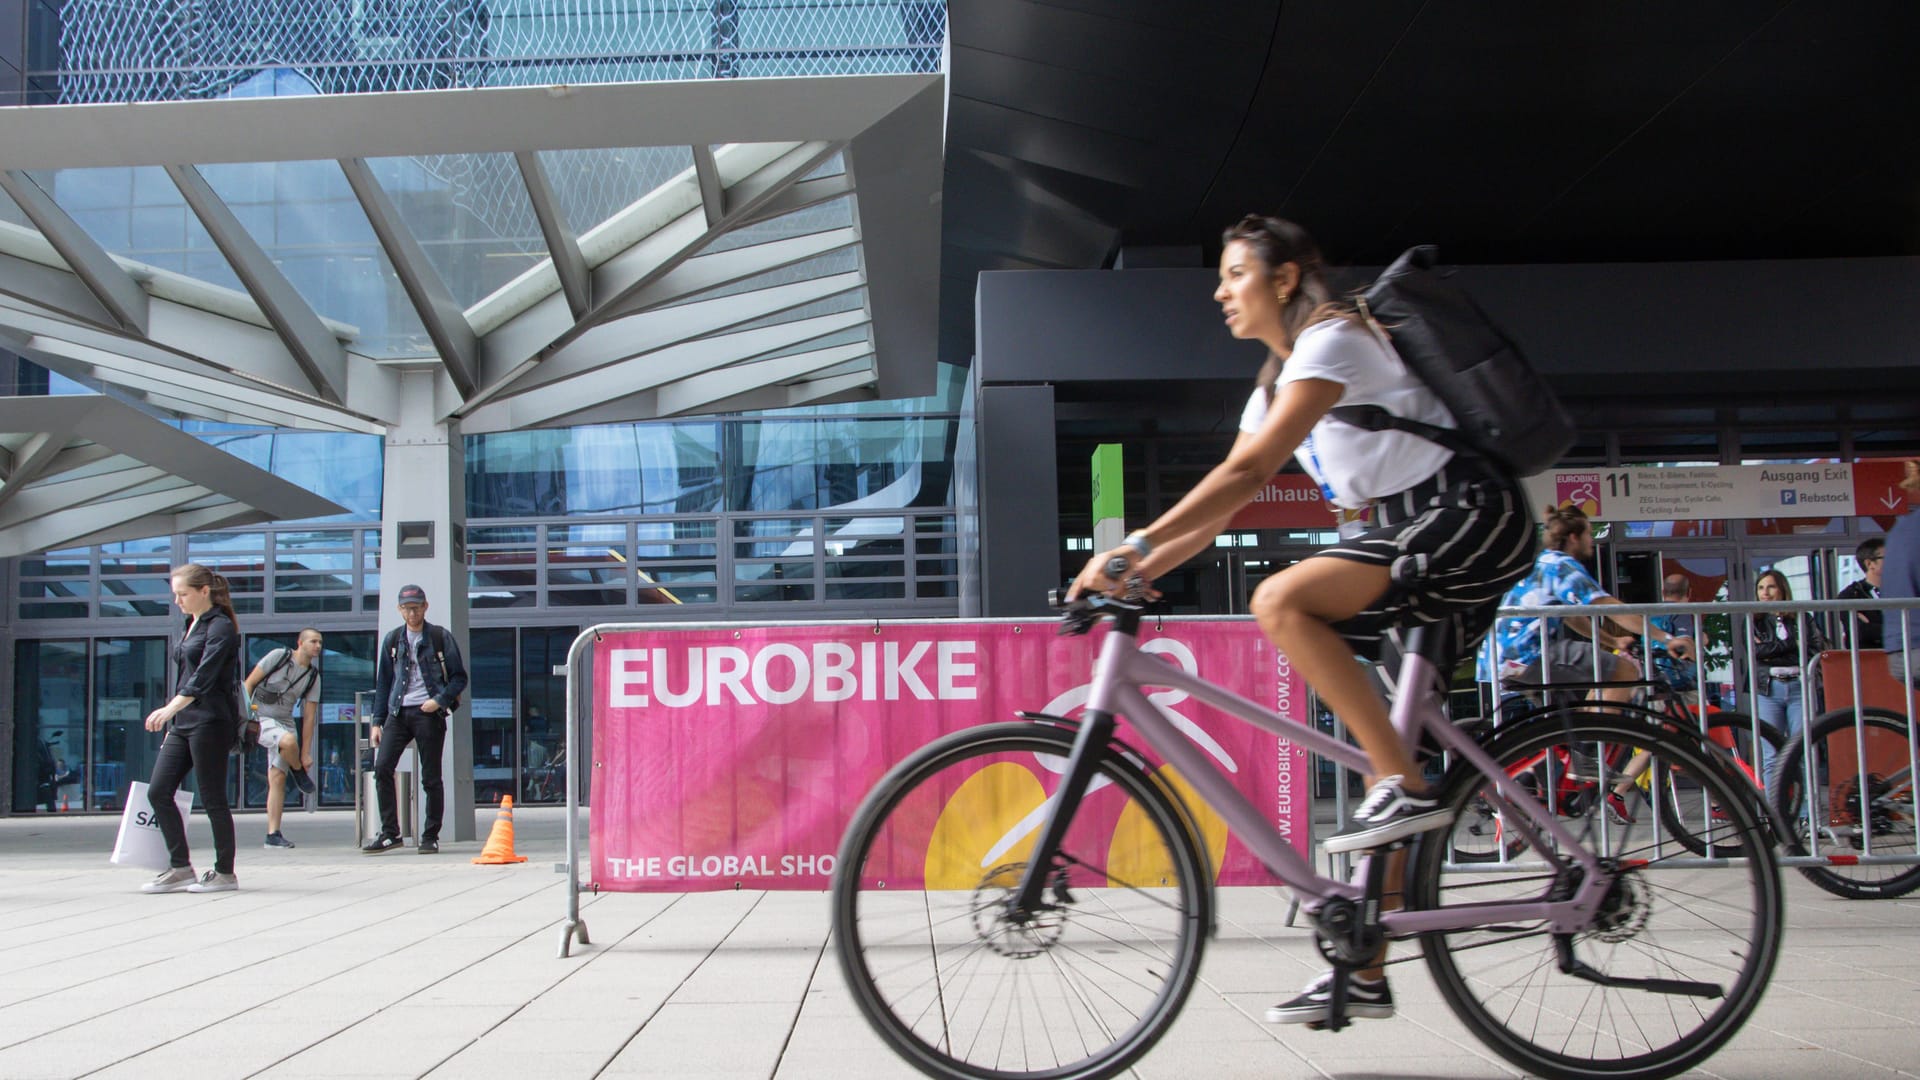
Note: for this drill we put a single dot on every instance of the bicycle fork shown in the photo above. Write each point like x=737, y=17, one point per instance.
x=1027, y=900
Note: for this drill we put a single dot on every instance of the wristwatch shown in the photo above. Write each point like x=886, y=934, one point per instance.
x=1138, y=542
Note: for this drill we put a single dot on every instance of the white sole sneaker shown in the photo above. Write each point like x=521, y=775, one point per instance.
x=1385, y=832
x=1365, y=1001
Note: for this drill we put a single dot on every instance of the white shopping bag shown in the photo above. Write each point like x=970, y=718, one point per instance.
x=140, y=843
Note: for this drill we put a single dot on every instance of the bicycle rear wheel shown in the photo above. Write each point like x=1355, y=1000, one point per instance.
x=950, y=979
x=1888, y=827
x=1664, y=925
x=1688, y=812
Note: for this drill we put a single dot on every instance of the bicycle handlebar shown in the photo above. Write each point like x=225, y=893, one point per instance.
x=1078, y=615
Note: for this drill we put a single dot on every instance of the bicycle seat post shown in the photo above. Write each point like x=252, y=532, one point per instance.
x=1416, y=685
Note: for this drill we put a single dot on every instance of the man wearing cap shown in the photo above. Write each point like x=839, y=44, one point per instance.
x=420, y=679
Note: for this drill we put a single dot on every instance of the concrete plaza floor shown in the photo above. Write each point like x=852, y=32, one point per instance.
x=330, y=964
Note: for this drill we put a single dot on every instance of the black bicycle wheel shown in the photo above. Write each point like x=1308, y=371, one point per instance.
x=1834, y=814
x=942, y=971
x=1687, y=812
x=1695, y=944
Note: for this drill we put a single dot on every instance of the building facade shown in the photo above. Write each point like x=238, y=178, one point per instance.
x=831, y=511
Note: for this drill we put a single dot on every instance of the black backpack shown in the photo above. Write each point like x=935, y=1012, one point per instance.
x=437, y=638
x=1505, y=411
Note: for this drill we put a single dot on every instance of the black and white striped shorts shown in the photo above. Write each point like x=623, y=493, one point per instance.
x=1454, y=544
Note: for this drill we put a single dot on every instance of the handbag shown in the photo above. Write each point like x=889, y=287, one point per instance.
x=139, y=842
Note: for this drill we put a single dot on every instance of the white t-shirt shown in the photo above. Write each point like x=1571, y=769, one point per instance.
x=1355, y=466
x=416, y=693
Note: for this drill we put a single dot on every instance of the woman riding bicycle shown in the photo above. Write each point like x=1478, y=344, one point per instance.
x=1437, y=538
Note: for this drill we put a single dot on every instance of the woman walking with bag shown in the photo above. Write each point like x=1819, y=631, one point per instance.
x=200, y=726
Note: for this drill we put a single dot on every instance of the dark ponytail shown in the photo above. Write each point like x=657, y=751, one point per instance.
x=195, y=576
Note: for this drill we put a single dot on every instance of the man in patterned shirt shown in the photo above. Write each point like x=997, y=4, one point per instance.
x=1559, y=577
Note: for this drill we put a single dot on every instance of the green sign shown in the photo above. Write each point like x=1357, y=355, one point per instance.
x=1109, y=483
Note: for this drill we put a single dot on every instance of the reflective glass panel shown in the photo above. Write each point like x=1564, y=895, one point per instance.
x=543, y=710
x=131, y=679
x=471, y=214
x=593, y=186
x=139, y=214
x=50, y=726
x=604, y=469
x=490, y=702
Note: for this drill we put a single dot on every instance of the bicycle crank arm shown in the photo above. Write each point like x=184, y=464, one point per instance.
x=1569, y=965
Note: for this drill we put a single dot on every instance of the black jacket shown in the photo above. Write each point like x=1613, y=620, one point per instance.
x=1866, y=623
x=206, y=668
x=444, y=684
x=1770, y=649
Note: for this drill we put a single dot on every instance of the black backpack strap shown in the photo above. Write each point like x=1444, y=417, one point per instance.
x=1375, y=418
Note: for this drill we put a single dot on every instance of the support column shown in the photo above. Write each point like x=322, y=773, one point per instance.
x=424, y=494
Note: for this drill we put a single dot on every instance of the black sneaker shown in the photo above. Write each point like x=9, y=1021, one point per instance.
x=275, y=840
x=302, y=779
x=383, y=842
x=1365, y=1001
x=1389, y=812
x=429, y=847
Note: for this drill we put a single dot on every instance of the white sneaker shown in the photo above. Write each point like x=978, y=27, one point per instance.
x=1389, y=812
x=174, y=879
x=215, y=881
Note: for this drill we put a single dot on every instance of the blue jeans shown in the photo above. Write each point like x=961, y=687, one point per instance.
x=1779, y=705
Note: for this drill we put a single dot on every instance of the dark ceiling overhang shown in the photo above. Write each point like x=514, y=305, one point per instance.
x=1505, y=133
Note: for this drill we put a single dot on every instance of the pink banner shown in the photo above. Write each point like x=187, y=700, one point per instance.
x=734, y=757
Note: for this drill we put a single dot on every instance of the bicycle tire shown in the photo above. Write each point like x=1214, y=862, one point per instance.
x=1692, y=819
x=934, y=968
x=1505, y=982
x=1892, y=823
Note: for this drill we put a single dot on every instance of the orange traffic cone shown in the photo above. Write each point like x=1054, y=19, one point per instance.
x=499, y=847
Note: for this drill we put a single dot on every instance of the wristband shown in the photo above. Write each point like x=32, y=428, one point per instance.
x=1138, y=542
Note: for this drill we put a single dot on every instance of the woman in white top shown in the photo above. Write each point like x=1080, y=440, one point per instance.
x=1442, y=538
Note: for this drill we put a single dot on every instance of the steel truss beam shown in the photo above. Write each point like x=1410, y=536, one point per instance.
x=113, y=287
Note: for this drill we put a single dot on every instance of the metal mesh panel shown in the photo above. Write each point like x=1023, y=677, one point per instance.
x=162, y=50
x=159, y=50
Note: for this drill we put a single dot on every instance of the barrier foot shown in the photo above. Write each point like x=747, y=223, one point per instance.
x=569, y=930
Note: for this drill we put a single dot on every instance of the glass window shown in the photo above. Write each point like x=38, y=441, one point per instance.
x=490, y=702
x=132, y=677
x=795, y=464
x=543, y=704
x=649, y=468
x=472, y=216
x=50, y=726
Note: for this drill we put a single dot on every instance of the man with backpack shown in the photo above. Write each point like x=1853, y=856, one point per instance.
x=285, y=680
x=419, y=680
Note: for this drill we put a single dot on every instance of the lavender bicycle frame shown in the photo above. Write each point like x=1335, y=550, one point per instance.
x=1123, y=669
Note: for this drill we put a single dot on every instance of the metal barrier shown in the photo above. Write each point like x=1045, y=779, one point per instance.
x=1816, y=835
x=574, y=928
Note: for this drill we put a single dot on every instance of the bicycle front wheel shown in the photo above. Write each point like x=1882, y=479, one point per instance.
x=960, y=987
x=1858, y=831
x=1678, y=954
